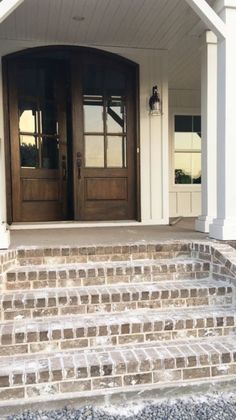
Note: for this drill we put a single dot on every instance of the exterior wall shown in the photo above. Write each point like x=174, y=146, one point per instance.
x=185, y=200
x=153, y=129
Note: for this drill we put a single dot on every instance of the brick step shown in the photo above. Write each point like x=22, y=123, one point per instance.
x=62, y=333
x=72, y=275
x=115, y=252
x=130, y=366
x=115, y=298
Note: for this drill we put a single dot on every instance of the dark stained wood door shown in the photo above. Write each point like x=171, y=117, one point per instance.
x=38, y=139
x=103, y=97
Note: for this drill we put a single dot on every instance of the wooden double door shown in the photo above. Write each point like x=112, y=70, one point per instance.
x=72, y=129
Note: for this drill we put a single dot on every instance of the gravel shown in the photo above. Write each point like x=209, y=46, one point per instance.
x=204, y=408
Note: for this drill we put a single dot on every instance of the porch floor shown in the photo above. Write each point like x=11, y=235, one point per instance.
x=105, y=235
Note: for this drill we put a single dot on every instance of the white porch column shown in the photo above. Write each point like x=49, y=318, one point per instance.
x=209, y=131
x=4, y=233
x=224, y=225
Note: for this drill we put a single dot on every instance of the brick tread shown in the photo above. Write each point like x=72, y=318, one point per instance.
x=146, y=325
x=127, y=365
x=97, y=297
x=108, y=268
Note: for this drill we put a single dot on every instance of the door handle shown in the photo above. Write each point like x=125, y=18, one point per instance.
x=79, y=164
x=64, y=167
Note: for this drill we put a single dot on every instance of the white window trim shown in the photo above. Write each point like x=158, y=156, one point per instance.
x=172, y=186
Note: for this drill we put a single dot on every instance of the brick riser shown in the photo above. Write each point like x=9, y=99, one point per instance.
x=63, y=333
x=104, y=274
x=116, y=299
x=71, y=255
x=122, y=367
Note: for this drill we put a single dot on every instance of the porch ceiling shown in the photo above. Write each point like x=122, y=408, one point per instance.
x=158, y=24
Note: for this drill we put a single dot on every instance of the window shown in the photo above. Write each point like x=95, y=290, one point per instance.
x=187, y=149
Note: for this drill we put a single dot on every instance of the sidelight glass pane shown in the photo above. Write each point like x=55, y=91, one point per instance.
x=196, y=168
x=94, y=151
x=50, y=152
x=187, y=141
x=27, y=121
x=183, y=168
x=114, y=152
x=116, y=115
x=183, y=123
x=196, y=141
x=183, y=141
x=29, y=154
x=93, y=115
x=188, y=168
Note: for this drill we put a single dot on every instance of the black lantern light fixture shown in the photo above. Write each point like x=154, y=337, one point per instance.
x=155, y=102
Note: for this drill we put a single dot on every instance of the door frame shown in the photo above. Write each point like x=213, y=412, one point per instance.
x=6, y=110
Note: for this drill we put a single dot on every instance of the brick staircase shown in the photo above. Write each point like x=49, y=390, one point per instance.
x=81, y=321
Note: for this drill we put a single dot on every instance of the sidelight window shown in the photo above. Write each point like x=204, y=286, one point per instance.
x=187, y=149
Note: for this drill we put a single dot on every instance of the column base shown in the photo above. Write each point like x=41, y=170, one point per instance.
x=203, y=223
x=223, y=229
x=4, y=237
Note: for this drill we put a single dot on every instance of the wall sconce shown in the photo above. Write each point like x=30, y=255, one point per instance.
x=155, y=102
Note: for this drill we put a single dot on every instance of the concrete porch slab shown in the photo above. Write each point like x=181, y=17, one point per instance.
x=185, y=229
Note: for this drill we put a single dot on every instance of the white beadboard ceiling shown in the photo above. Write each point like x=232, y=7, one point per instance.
x=159, y=24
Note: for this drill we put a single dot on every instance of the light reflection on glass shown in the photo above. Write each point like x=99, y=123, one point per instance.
x=93, y=115
x=29, y=153
x=27, y=121
x=116, y=115
x=114, y=152
x=94, y=151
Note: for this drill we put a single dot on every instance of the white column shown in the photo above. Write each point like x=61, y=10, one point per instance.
x=4, y=233
x=224, y=225
x=209, y=130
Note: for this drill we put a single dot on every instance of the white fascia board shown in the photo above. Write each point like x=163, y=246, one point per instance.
x=209, y=17
x=7, y=7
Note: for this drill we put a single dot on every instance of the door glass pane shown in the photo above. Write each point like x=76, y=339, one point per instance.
x=50, y=153
x=27, y=82
x=46, y=82
x=93, y=114
x=115, y=82
x=48, y=119
x=116, y=115
x=27, y=121
x=29, y=153
x=93, y=76
x=94, y=151
x=114, y=152
x=183, y=168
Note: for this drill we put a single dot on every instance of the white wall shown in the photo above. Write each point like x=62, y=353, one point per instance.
x=185, y=200
x=154, y=157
